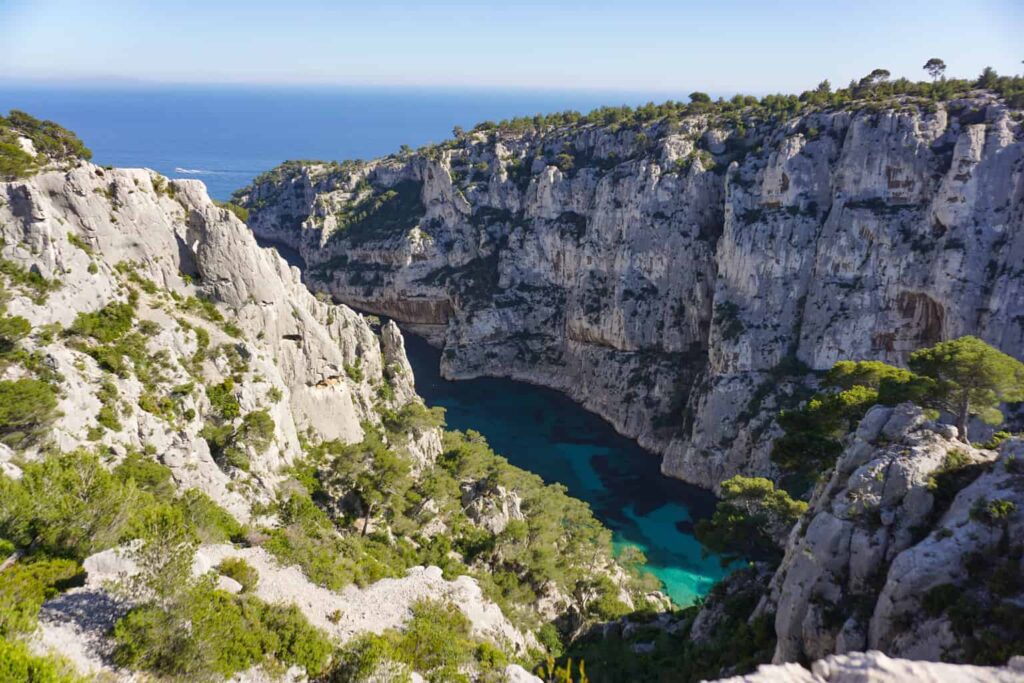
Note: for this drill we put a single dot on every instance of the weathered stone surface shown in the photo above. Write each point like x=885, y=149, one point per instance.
x=379, y=606
x=681, y=302
x=875, y=667
x=83, y=226
x=873, y=543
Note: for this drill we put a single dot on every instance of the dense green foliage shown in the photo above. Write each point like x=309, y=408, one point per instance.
x=17, y=663
x=750, y=520
x=970, y=378
x=229, y=438
x=52, y=143
x=240, y=212
x=964, y=376
x=735, y=645
x=29, y=282
x=241, y=571
x=309, y=538
x=813, y=432
x=27, y=408
x=330, y=530
x=70, y=505
x=184, y=627
x=874, y=88
x=107, y=324
x=203, y=632
x=370, y=471
x=25, y=586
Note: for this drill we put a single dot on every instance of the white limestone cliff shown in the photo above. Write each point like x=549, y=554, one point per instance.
x=679, y=282
x=910, y=520
x=100, y=232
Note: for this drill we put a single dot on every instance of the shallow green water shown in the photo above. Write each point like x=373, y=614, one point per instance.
x=543, y=431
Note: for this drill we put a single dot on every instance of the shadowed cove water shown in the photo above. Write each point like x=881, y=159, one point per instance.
x=546, y=433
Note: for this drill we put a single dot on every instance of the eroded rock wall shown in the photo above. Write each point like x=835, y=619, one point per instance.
x=101, y=234
x=902, y=549
x=679, y=279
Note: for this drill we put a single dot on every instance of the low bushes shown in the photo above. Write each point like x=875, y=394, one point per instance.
x=27, y=408
x=17, y=663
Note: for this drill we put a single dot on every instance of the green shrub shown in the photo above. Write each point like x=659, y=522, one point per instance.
x=241, y=213
x=223, y=401
x=355, y=370
x=13, y=328
x=436, y=638
x=213, y=524
x=366, y=655
x=993, y=511
x=204, y=308
x=551, y=639
x=241, y=571
x=147, y=474
x=751, y=519
x=412, y=417
x=27, y=408
x=26, y=586
x=208, y=632
x=256, y=431
x=67, y=504
x=18, y=663
x=230, y=445
x=106, y=325
x=77, y=241
x=51, y=143
x=607, y=606
x=108, y=413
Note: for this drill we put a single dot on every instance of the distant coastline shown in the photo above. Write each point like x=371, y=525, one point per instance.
x=225, y=135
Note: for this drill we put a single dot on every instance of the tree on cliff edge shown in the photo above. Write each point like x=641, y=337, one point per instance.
x=935, y=67
x=972, y=378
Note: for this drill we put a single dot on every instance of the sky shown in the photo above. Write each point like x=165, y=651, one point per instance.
x=724, y=46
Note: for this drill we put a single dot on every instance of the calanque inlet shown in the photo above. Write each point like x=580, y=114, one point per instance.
x=755, y=366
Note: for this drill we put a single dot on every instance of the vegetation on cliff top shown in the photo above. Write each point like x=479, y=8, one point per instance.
x=52, y=143
x=963, y=377
x=874, y=91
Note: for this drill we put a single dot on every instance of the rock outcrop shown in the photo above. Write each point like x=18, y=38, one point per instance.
x=912, y=547
x=214, y=306
x=677, y=278
x=875, y=667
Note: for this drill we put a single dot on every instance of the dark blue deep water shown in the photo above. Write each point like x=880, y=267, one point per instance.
x=226, y=135
x=545, y=432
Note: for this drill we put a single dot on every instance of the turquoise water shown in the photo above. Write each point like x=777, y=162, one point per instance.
x=543, y=431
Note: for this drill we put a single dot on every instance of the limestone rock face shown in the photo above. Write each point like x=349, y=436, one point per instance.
x=907, y=512
x=875, y=667
x=491, y=509
x=381, y=605
x=680, y=281
x=214, y=307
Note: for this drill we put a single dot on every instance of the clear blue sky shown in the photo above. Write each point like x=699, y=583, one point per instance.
x=650, y=45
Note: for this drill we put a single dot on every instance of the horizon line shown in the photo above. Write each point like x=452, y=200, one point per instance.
x=102, y=81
